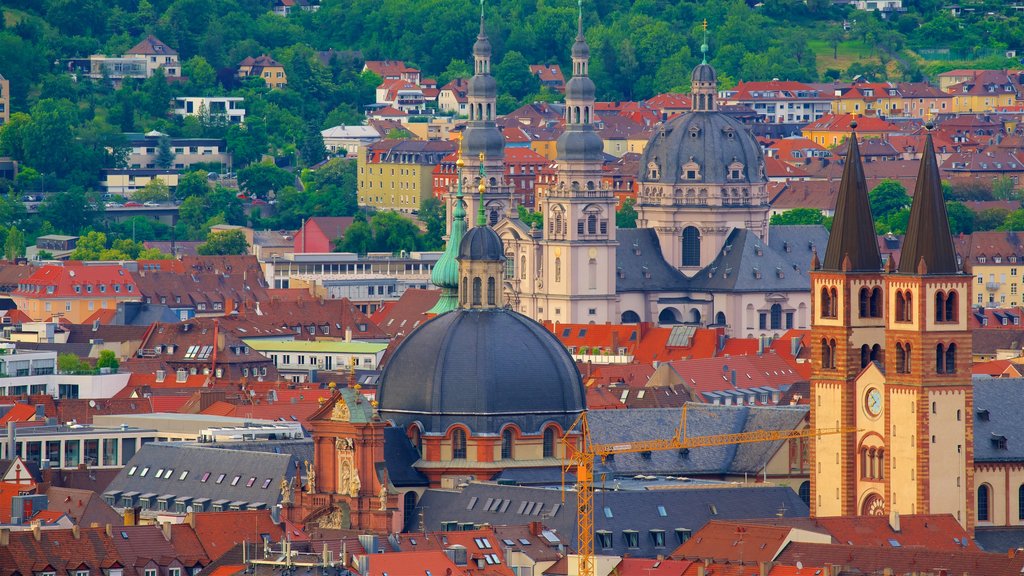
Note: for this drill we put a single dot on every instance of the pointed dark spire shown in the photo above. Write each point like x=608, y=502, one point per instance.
x=852, y=245
x=928, y=239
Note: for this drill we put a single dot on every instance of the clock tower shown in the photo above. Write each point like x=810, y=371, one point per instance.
x=892, y=352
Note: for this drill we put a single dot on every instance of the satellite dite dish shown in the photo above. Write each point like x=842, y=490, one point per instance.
x=799, y=565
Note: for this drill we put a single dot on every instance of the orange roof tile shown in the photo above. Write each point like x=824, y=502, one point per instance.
x=931, y=531
x=432, y=561
x=77, y=281
x=220, y=531
x=18, y=413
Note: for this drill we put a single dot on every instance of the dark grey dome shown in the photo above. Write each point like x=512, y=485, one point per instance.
x=704, y=73
x=484, y=369
x=482, y=87
x=580, y=49
x=482, y=243
x=483, y=139
x=580, y=88
x=711, y=140
x=579, y=144
x=482, y=46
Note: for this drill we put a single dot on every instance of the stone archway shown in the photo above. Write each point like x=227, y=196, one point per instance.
x=630, y=317
x=670, y=316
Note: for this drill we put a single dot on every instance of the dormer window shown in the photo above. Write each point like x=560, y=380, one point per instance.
x=735, y=170
x=691, y=170
x=652, y=170
x=998, y=259
x=694, y=132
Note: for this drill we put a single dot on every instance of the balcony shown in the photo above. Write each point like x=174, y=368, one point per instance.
x=993, y=286
x=559, y=192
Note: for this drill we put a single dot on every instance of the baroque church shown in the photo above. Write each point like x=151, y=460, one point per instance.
x=703, y=254
x=891, y=350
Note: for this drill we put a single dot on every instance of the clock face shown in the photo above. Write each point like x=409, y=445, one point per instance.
x=873, y=402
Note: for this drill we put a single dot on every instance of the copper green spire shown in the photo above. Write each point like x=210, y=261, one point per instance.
x=481, y=218
x=704, y=45
x=445, y=274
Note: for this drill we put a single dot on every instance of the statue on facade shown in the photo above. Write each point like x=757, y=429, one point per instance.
x=355, y=485
x=310, y=478
x=286, y=491
x=383, y=497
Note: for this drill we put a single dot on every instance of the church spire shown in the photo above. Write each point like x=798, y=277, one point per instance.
x=704, y=80
x=704, y=44
x=445, y=274
x=852, y=245
x=928, y=246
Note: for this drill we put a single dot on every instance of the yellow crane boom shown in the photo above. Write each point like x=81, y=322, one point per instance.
x=580, y=458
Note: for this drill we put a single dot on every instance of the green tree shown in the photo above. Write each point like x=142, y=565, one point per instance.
x=432, y=214
x=514, y=76
x=71, y=364
x=155, y=190
x=227, y=242
x=107, y=359
x=192, y=184
x=835, y=37
x=69, y=211
x=530, y=218
x=156, y=94
x=990, y=219
x=358, y=238
x=312, y=146
x=14, y=246
x=262, y=179
x=164, y=153
x=625, y=217
x=1004, y=189
x=887, y=198
x=1014, y=221
x=90, y=246
x=201, y=75
x=398, y=134
x=961, y=218
x=799, y=216
x=456, y=69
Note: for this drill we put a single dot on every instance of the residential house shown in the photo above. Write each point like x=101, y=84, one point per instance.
x=204, y=285
x=620, y=176
x=392, y=70
x=922, y=100
x=996, y=260
x=73, y=291
x=985, y=166
x=220, y=532
x=299, y=361
x=453, y=97
x=743, y=542
x=833, y=129
x=198, y=346
x=319, y=233
x=265, y=67
x=882, y=6
x=346, y=140
x=550, y=76
x=670, y=104
x=141, y=61
x=84, y=507
x=127, y=181
x=782, y=102
x=852, y=559
x=215, y=109
x=985, y=92
x=187, y=151
x=398, y=174
x=402, y=95
x=5, y=100
x=287, y=7
x=954, y=77
x=868, y=99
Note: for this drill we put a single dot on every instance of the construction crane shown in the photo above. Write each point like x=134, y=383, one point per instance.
x=580, y=458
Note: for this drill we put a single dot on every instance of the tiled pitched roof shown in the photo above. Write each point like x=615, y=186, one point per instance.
x=110, y=281
x=931, y=531
x=874, y=559
x=83, y=506
x=432, y=561
x=152, y=46
x=735, y=541
x=407, y=313
x=711, y=376
x=59, y=551
x=327, y=318
x=841, y=123
x=998, y=429
x=18, y=413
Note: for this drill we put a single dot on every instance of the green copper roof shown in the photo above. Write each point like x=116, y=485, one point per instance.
x=446, y=272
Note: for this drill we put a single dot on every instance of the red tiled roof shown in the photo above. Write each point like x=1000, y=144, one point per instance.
x=876, y=559
x=433, y=561
x=990, y=368
x=715, y=374
x=152, y=46
x=547, y=72
x=651, y=567
x=408, y=312
x=734, y=541
x=9, y=490
x=18, y=413
x=670, y=102
x=221, y=531
x=931, y=531
x=227, y=570
x=777, y=168
x=841, y=123
x=105, y=281
x=58, y=551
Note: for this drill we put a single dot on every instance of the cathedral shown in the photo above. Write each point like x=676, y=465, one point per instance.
x=891, y=351
x=703, y=254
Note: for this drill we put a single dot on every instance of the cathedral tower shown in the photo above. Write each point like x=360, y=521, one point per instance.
x=910, y=399
x=484, y=145
x=579, y=211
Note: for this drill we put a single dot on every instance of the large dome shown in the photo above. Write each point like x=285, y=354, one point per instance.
x=579, y=145
x=711, y=141
x=483, y=139
x=484, y=369
x=482, y=243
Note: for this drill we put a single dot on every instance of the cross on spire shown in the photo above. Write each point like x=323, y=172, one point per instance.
x=704, y=45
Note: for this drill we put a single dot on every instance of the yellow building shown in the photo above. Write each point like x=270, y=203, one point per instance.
x=868, y=99
x=264, y=67
x=985, y=92
x=832, y=130
x=398, y=175
x=74, y=292
x=996, y=260
x=891, y=349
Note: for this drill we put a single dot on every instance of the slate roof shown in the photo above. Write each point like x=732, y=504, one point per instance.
x=998, y=403
x=612, y=426
x=399, y=457
x=999, y=539
x=247, y=466
x=152, y=46
x=928, y=235
x=614, y=511
x=748, y=264
x=853, y=229
x=641, y=265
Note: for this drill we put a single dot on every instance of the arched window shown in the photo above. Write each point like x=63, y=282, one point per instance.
x=506, y=444
x=901, y=306
x=865, y=303
x=865, y=355
x=940, y=306
x=549, y=442
x=691, y=246
x=908, y=307
x=951, y=307
x=558, y=269
x=465, y=290
x=493, y=218
x=940, y=358
x=901, y=359
x=1020, y=502
x=490, y=291
x=776, y=316
x=826, y=355
x=828, y=302
x=694, y=316
x=984, y=492
x=458, y=444
x=591, y=224
x=510, y=266
x=720, y=319
x=804, y=492
x=876, y=353
x=477, y=289
x=875, y=307
x=951, y=359
x=630, y=317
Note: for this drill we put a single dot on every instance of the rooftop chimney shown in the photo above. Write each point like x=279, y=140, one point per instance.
x=894, y=521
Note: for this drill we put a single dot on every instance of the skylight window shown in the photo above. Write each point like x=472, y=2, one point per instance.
x=184, y=474
x=144, y=472
x=266, y=483
x=206, y=476
x=131, y=471
x=220, y=478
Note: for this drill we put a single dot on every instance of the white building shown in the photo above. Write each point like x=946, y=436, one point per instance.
x=35, y=372
x=297, y=359
x=228, y=109
x=349, y=138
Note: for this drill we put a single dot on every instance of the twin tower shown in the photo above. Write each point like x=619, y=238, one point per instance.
x=891, y=351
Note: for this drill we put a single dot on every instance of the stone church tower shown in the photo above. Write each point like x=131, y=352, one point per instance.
x=891, y=351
